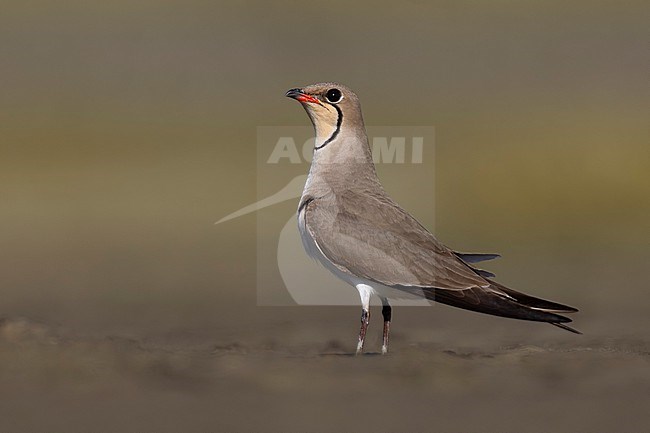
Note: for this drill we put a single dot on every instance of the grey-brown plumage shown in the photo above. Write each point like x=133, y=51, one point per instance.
x=349, y=223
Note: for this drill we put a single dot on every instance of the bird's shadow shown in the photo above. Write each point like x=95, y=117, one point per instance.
x=349, y=354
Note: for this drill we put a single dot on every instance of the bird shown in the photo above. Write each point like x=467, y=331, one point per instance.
x=349, y=224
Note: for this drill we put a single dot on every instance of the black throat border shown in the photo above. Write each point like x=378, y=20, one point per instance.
x=339, y=121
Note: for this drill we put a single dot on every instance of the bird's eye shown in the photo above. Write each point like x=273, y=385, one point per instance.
x=333, y=95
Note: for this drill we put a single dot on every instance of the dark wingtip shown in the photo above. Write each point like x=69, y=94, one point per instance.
x=483, y=273
x=566, y=328
x=476, y=257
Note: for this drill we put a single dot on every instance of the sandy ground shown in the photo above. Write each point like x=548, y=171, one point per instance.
x=299, y=374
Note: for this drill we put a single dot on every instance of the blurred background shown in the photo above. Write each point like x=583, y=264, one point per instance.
x=128, y=128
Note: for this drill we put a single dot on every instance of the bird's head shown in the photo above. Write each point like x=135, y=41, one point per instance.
x=332, y=108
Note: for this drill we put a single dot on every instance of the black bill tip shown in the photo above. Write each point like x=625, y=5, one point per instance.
x=293, y=93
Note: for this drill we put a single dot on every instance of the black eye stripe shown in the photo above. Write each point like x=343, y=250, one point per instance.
x=333, y=95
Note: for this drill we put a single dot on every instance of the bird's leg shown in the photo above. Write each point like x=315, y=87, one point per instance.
x=386, y=311
x=364, y=293
x=365, y=319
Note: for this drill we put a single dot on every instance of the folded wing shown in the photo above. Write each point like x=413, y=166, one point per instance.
x=393, y=249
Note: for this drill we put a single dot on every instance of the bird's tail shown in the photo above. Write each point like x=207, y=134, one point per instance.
x=533, y=302
x=505, y=302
